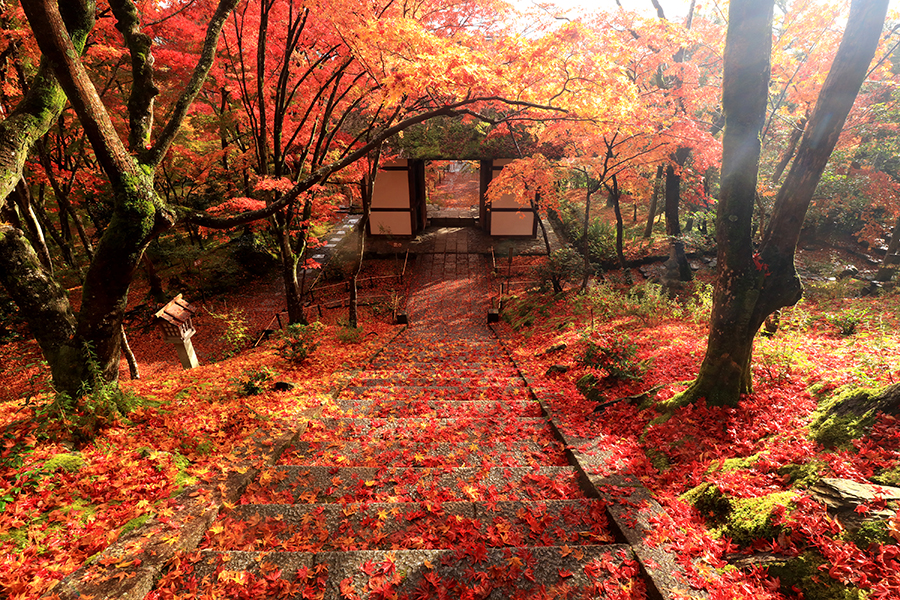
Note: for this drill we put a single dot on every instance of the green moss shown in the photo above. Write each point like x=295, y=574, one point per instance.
x=871, y=532
x=888, y=477
x=710, y=502
x=842, y=418
x=134, y=524
x=70, y=462
x=734, y=464
x=660, y=460
x=801, y=476
x=803, y=573
x=754, y=519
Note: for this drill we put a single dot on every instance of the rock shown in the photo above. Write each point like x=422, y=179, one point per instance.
x=285, y=386
x=849, y=272
x=554, y=349
x=843, y=497
x=871, y=289
x=695, y=266
x=713, y=263
x=555, y=369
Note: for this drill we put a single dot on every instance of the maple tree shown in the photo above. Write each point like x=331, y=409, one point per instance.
x=644, y=122
x=751, y=285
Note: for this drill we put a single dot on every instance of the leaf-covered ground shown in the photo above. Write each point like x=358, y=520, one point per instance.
x=63, y=503
x=735, y=481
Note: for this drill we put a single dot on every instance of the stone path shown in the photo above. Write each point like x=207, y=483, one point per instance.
x=434, y=475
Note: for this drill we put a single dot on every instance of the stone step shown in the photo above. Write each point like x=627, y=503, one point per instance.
x=291, y=484
x=377, y=406
x=415, y=453
x=409, y=525
x=401, y=384
x=595, y=571
x=492, y=429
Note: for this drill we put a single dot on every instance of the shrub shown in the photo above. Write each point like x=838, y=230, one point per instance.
x=847, y=321
x=563, y=265
x=601, y=237
x=699, y=307
x=237, y=329
x=253, y=381
x=649, y=302
x=298, y=341
x=615, y=355
x=350, y=335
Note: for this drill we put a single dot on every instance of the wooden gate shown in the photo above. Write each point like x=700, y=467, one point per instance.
x=505, y=216
x=398, y=199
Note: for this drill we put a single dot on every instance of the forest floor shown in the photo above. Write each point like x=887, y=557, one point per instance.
x=736, y=482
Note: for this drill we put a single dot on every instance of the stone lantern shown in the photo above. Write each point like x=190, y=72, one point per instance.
x=174, y=321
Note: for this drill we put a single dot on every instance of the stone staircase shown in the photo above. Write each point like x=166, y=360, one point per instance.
x=434, y=474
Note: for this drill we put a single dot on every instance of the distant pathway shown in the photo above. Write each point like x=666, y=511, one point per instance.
x=433, y=476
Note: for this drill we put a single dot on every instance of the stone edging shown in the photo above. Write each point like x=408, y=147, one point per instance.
x=630, y=505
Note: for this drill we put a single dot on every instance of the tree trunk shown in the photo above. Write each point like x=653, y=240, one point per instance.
x=133, y=370
x=137, y=216
x=614, y=197
x=584, y=238
x=750, y=287
x=673, y=227
x=891, y=258
x=22, y=197
x=292, y=291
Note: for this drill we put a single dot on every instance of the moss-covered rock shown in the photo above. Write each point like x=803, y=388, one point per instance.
x=660, y=460
x=710, y=502
x=744, y=520
x=734, y=464
x=588, y=386
x=803, y=573
x=849, y=415
x=134, y=524
x=754, y=519
x=888, y=477
x=67, y=461
x=801, y=476
x=871, y=532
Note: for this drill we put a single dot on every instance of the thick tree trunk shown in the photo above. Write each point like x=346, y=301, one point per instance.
x=138, y=215
x=725, y=372
x=46, y=305
x=750, y=287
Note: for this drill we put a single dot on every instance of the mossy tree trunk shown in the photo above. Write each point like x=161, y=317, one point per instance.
x=71, y=342
x=750, y=287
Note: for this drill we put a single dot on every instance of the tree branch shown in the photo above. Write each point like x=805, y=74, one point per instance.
x=143, y=88
x=321, y=174
x=42, y=104
x=154, y=156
